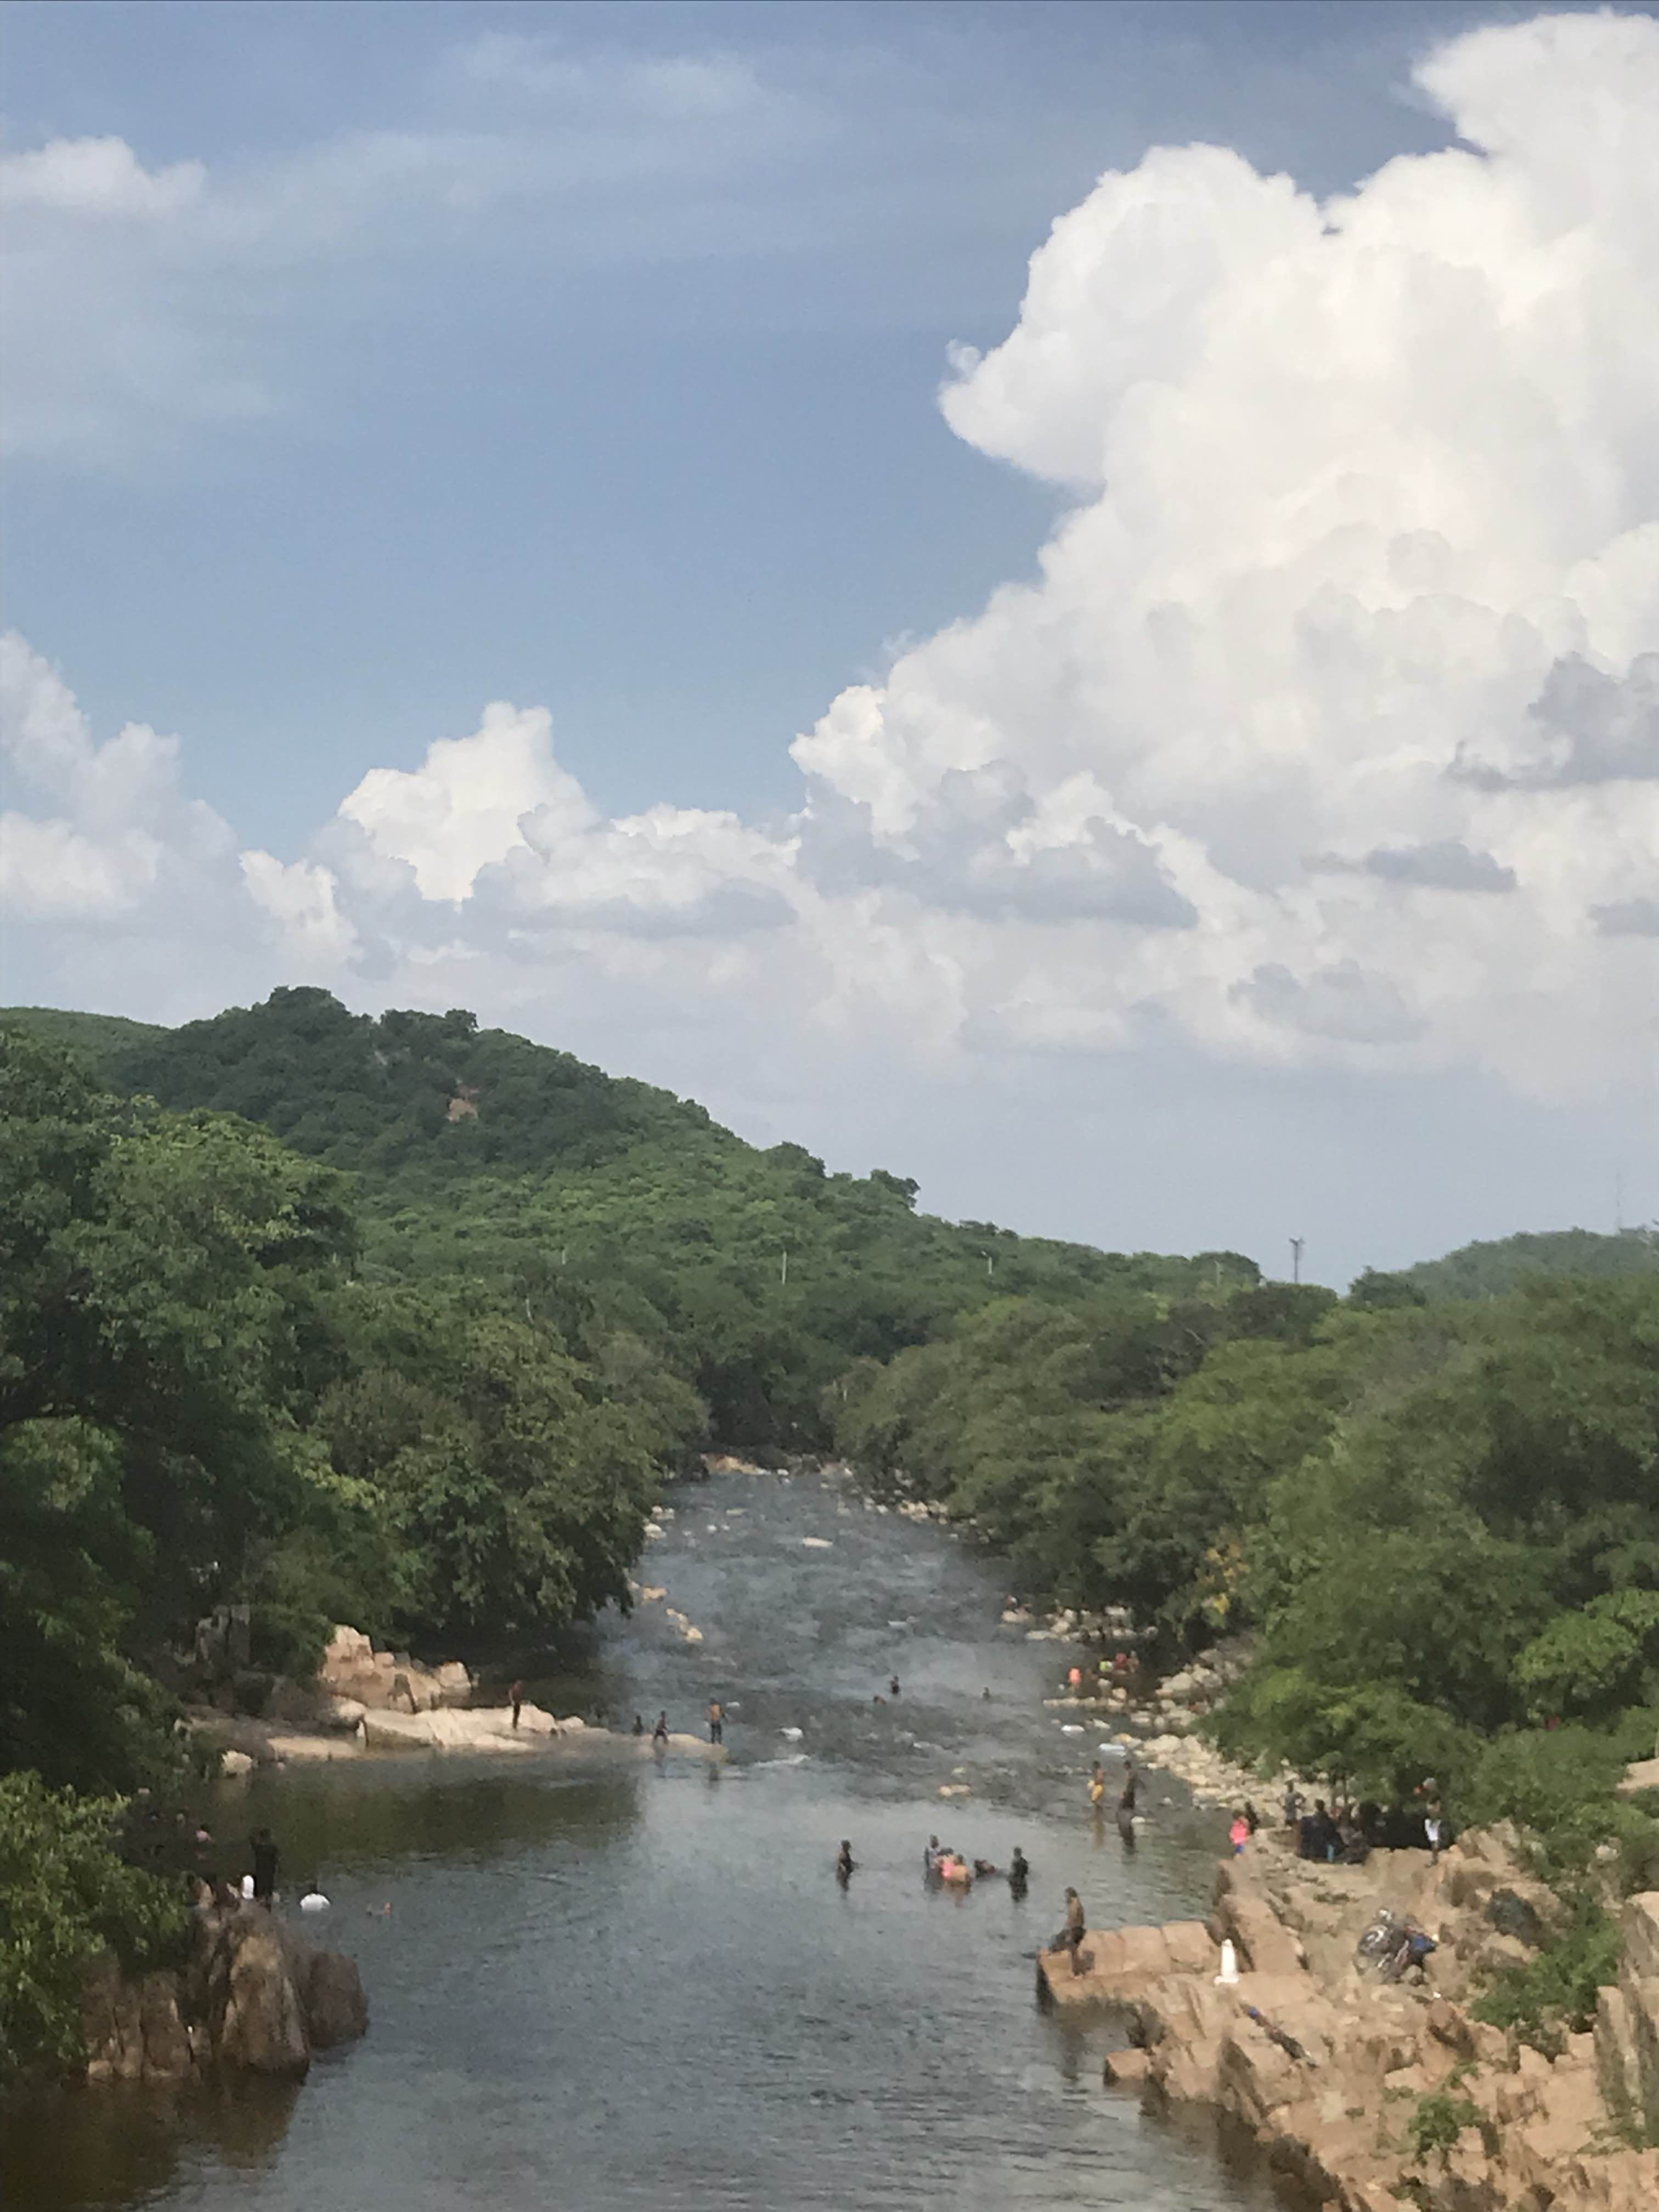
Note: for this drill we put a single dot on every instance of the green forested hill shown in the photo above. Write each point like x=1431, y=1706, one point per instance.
x=1492, y=1270
x=101, y=1040
x=598, y=1204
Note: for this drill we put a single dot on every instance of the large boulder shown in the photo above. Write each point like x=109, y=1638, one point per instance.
x=330, y=1989
x=353, y=1673
x=256, y=2022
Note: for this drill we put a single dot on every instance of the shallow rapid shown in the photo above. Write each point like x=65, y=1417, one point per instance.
x=600, y=1991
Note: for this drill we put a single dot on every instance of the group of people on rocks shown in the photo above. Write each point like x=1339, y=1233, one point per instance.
x=1117, y=1672
x=1350, y=1832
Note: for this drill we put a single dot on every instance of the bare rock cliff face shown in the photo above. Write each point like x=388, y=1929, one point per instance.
x=255, y=1998
x=1328, y=2066
x=1627, y=2022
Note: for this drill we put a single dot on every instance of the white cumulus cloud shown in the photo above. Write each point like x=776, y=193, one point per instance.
x=1328, y=735
x=96, y=177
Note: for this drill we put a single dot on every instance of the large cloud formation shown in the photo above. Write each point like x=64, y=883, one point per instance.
x=1327, y=733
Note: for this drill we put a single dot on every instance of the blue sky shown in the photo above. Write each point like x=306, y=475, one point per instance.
x=589, y=358
x=679, y=480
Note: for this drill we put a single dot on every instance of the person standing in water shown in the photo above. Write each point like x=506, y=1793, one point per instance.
x=1019, y=1872
x=1097, y=1786
x=893, y=1687
x=1126, y=1806
x=660, y=1733
x=716, y=1720
x=264, y=1854
x=845, y=1863
x=515, y=1698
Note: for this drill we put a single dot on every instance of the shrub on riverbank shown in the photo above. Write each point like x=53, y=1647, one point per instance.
x=65, y=1895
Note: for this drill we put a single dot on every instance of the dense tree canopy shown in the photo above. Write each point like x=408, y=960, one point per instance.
x=1441, y=1519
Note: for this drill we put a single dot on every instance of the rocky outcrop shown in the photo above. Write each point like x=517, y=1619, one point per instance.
x=1627, y=2022
x=255, y=2021
x=355, y=1675
x=1329, y=2068
x=256, y=1996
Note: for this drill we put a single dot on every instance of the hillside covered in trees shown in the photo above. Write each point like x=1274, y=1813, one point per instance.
x=597, y=1204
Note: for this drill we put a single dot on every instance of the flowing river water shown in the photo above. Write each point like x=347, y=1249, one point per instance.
x=620, y=1988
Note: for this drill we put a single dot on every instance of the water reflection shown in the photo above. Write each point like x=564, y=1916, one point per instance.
x=122, y=2145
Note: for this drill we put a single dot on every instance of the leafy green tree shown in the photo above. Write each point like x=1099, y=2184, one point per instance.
x=65, y=1895
x=1590, y=1661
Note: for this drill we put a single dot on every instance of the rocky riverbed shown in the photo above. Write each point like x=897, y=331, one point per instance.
x=1332, y=2070
x=364, y=1701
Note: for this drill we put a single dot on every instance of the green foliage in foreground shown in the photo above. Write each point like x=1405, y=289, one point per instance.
x=1437, y=2119
x=65, y=1895
x=1556, y=1990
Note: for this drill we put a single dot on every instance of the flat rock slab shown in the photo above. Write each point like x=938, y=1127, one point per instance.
x=1121, y=1964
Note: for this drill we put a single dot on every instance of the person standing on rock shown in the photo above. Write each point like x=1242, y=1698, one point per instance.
x=1434, y=1828
x=716, y=1720
x=1077, y=1926
x=265, y=1855
x=515, y=1698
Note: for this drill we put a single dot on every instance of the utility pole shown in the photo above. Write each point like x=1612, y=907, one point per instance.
x=1296, y=1243
x=989, y=1259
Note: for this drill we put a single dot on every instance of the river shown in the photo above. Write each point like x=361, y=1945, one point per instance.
x=618, y=1992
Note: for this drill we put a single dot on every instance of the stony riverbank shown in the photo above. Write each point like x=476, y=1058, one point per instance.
x=1380, y=2098
x=482, y=1730
x=363, y=1701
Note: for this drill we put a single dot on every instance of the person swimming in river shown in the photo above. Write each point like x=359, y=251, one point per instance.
x=930, y=1858
x=893, y=1687
x=660, y=1733
x=845, y=1864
